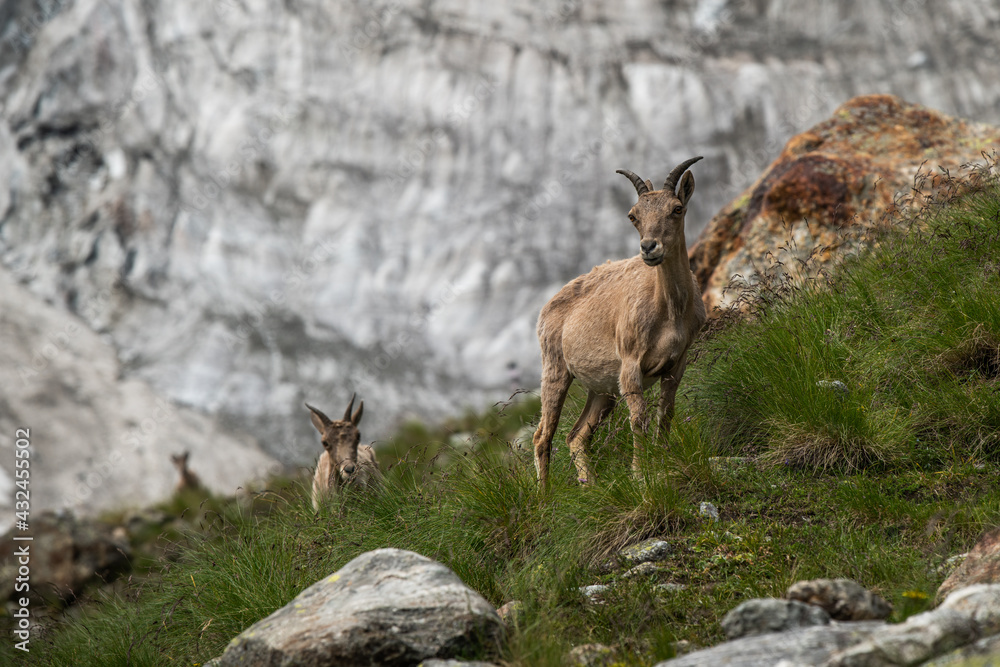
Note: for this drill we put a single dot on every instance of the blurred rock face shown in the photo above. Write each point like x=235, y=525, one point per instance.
x=264, y=202
x=98, y=441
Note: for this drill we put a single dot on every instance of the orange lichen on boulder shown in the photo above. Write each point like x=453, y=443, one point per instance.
x=830, y=184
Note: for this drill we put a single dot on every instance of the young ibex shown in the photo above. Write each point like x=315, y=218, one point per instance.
x=622, y=327
x=188, y=480
x=343, y=461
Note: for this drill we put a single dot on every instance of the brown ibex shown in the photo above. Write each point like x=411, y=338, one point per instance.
x=188, y=480
x=343, y=460
x=622, y=327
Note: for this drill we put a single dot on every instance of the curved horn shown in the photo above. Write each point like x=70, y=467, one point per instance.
x=347, y=413
x=640, y=187
x=323, y=418
x=356, y=418
x=671, y=182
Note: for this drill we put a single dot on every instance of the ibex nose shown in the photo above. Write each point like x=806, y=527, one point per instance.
x=349, y=469
x=648, y=246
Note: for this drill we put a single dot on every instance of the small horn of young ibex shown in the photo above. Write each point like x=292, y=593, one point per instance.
x=343, y=460
x=622, y=327
x=188, y=479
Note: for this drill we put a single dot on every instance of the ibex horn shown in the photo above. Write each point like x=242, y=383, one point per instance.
x=640, y=187
x=671, y=182
x=347, y=414
x=323, y=418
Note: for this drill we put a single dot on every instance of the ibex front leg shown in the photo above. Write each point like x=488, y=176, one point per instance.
x=668, y=393
x=630, y=383
x=555, y=385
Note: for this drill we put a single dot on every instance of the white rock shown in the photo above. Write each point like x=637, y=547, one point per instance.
x=594, y=592
x=980, y=602
x=386, y=606
x=916, y=640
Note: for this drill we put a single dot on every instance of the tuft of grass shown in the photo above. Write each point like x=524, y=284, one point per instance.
x=893, y=360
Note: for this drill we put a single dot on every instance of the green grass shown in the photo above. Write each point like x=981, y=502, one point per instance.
x=911, y=329
x=880, y=483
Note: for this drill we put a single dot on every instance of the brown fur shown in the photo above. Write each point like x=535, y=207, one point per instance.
x=188, y=480
x=622, y=327
x=343, y=460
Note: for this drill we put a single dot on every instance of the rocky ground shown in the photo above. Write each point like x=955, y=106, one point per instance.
x=406, y=609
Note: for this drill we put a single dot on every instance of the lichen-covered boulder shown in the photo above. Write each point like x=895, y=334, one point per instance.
x=830, y=184
x=648, y=551
x=385, y=607
x=763, y=615
x=843, y=599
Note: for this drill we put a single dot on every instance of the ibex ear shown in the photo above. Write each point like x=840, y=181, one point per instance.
x=356, y=419
x=318, y=423
x=319, y=420
x=686, y=188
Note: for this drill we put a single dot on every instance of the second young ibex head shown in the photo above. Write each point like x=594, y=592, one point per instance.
x=340, y=438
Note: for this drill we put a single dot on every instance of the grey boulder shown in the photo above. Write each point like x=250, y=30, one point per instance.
x=385, y=607
x=647, y=551
x=974, y=654
x=980, y=602
x=764, y=615
x=843, y=599
x=803, y=646
x=913, y=642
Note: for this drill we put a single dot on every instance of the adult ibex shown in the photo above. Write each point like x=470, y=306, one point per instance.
x=622, y=327
x=343, y=460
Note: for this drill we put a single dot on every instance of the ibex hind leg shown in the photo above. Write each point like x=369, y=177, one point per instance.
x=556, y=380
x=594, y=412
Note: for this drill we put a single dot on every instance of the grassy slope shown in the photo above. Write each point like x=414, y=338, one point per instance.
x=880, y=483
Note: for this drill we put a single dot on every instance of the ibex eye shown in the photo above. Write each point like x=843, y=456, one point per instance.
x=678, y=209
x=631, y=217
